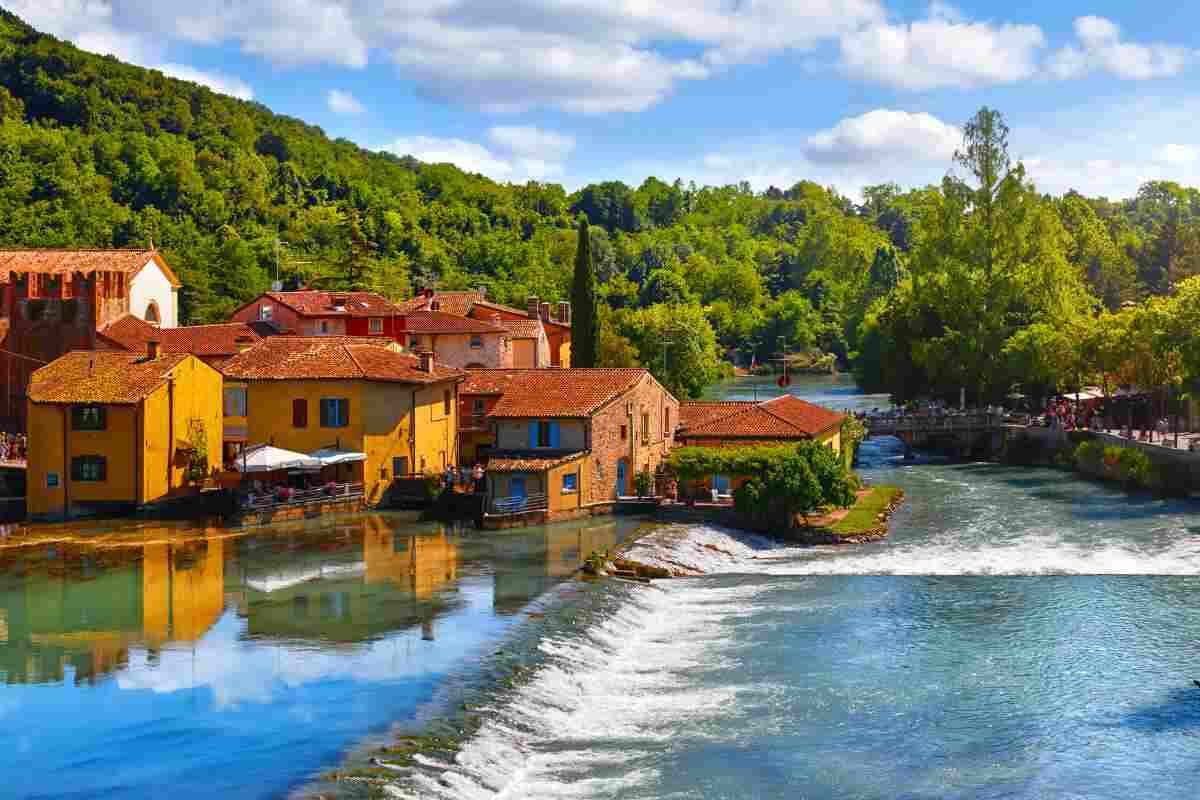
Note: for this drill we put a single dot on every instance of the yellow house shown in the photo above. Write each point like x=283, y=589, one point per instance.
x=111, y=431
x=392, y=413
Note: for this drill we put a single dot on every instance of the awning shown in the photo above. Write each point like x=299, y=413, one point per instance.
x=265, y=458
x=328, y=456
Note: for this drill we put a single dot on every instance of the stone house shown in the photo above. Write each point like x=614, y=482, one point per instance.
x=456, y=341
x=566, y=442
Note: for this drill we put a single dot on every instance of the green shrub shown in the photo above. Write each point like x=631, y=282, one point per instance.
x=1089, y=456
x=643, y=483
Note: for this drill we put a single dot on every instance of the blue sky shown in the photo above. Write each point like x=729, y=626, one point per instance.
x=1100, y=95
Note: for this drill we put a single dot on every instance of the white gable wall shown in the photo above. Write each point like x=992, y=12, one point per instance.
x=152, y=285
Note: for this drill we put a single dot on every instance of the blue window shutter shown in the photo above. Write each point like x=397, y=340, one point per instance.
x=533, y=430
x=554, y=440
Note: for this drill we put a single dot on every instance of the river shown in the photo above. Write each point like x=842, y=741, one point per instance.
x=1021, y=633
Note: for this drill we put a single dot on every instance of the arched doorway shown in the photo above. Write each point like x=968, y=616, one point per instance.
x=152, y=315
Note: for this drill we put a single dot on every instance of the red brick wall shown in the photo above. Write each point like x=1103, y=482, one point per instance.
x=608, y=447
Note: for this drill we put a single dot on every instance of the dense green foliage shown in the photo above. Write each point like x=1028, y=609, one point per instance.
x=781, y=480
x=924, y=291
x=1124, y=464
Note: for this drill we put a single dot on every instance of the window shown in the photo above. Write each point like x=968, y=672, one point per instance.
x=477, y=407
x=335, y=412
x=645, y=428
x=89, y=469
x=570, y=483
x=666, y=422
x=88, y=418
x=624, y=432
x=446, y=402
x=399, y=466
x=413, y=343
x=152, y=313
x=324, y=326
x=51, y=480
x=264, y=313
x=376, y=325
x=543, y=433
x=235, y=402
x=476, y=341
x=299, y=413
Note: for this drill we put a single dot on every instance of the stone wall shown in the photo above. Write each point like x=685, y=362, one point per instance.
x=609, y=447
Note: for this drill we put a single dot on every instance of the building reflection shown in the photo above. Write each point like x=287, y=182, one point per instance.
x=553, y=558
x=79, y=609
x=391, y=581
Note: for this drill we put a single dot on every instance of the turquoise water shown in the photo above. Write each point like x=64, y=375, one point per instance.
x=1020, y=634
x=144, y=661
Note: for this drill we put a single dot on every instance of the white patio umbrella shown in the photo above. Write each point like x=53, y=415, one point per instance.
x=266, y=458
x=329, y=456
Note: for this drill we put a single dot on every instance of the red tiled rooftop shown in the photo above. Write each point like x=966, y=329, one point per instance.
x=102, y=376
x=319, y=303
x=519, y=461
x=522, y=328
x=431, y=322
x=331, y=358
x=206, y=341
x=698, y=412
x=552, y=392
x=57, y=262
x=784, y=417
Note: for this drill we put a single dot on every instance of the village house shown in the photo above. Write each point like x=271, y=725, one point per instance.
x=566, y=442
x=116, y=431
x=373, y=411
x=782, y=420
x=312, y=312
x=541, y=334
x=457, y=341
x=56, y=301
x=212, y=344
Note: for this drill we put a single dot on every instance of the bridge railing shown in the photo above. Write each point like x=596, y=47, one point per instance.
x=922, y=423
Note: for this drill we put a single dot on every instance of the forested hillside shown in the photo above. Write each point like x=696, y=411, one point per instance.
x=94, y=152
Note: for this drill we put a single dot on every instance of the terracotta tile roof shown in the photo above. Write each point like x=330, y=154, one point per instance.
x=485, y=382
x=555, y=392
x=488, y=304
x=528, y=460
x=56, y=262
x=331, y=358
x=458, y=303
x=439, y=322
x=319, y=303
x=464, y=303
x=698, y=412
x=206, y=341
x=522, y=328
x=784, y=417
x=101, y=376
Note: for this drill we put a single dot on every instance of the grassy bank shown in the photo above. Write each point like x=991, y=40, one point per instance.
x=864, y=516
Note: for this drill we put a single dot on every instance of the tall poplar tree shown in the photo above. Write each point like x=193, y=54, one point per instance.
x=585, y=322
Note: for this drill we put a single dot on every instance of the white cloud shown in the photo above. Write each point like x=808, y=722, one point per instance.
x=340, y=102
x=517, y=153
x=942, y=51
x=1100, y=49
x=882, y=135
x=218, y=82
x=1178, y=154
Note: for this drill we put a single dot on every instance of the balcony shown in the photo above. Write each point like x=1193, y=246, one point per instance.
x=477, y=423
x=519, y=504
x=288, y=498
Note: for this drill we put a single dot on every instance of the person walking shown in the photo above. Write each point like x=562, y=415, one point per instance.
x=477, y=475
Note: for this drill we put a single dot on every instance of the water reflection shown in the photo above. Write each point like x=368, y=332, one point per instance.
x=239, y=663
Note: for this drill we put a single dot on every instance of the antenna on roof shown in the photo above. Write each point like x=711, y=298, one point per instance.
x=151, y=242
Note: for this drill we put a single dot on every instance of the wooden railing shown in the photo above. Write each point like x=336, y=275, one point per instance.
x=321, y=494
x=520, y=504
x=921, y=423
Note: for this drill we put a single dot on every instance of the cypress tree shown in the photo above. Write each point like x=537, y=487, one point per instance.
x=585, y=322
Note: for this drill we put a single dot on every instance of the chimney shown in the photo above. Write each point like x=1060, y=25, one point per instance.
x=152, y=347
x=494, y=318
x=428, y=294
x=482, y=292
x=426, y=361
x=546, y=312
x=242, y=343
x=435, y=305
x=531, y=305
x=564, y=313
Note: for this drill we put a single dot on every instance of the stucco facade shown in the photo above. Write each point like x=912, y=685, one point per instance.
x=140, y=442
x=465, y=351
x=153, y=297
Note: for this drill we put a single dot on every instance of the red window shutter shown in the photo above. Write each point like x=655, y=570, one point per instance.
x=300, y=413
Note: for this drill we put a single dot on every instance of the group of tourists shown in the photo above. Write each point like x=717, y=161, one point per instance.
x=465, y=478
x=13, y=447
